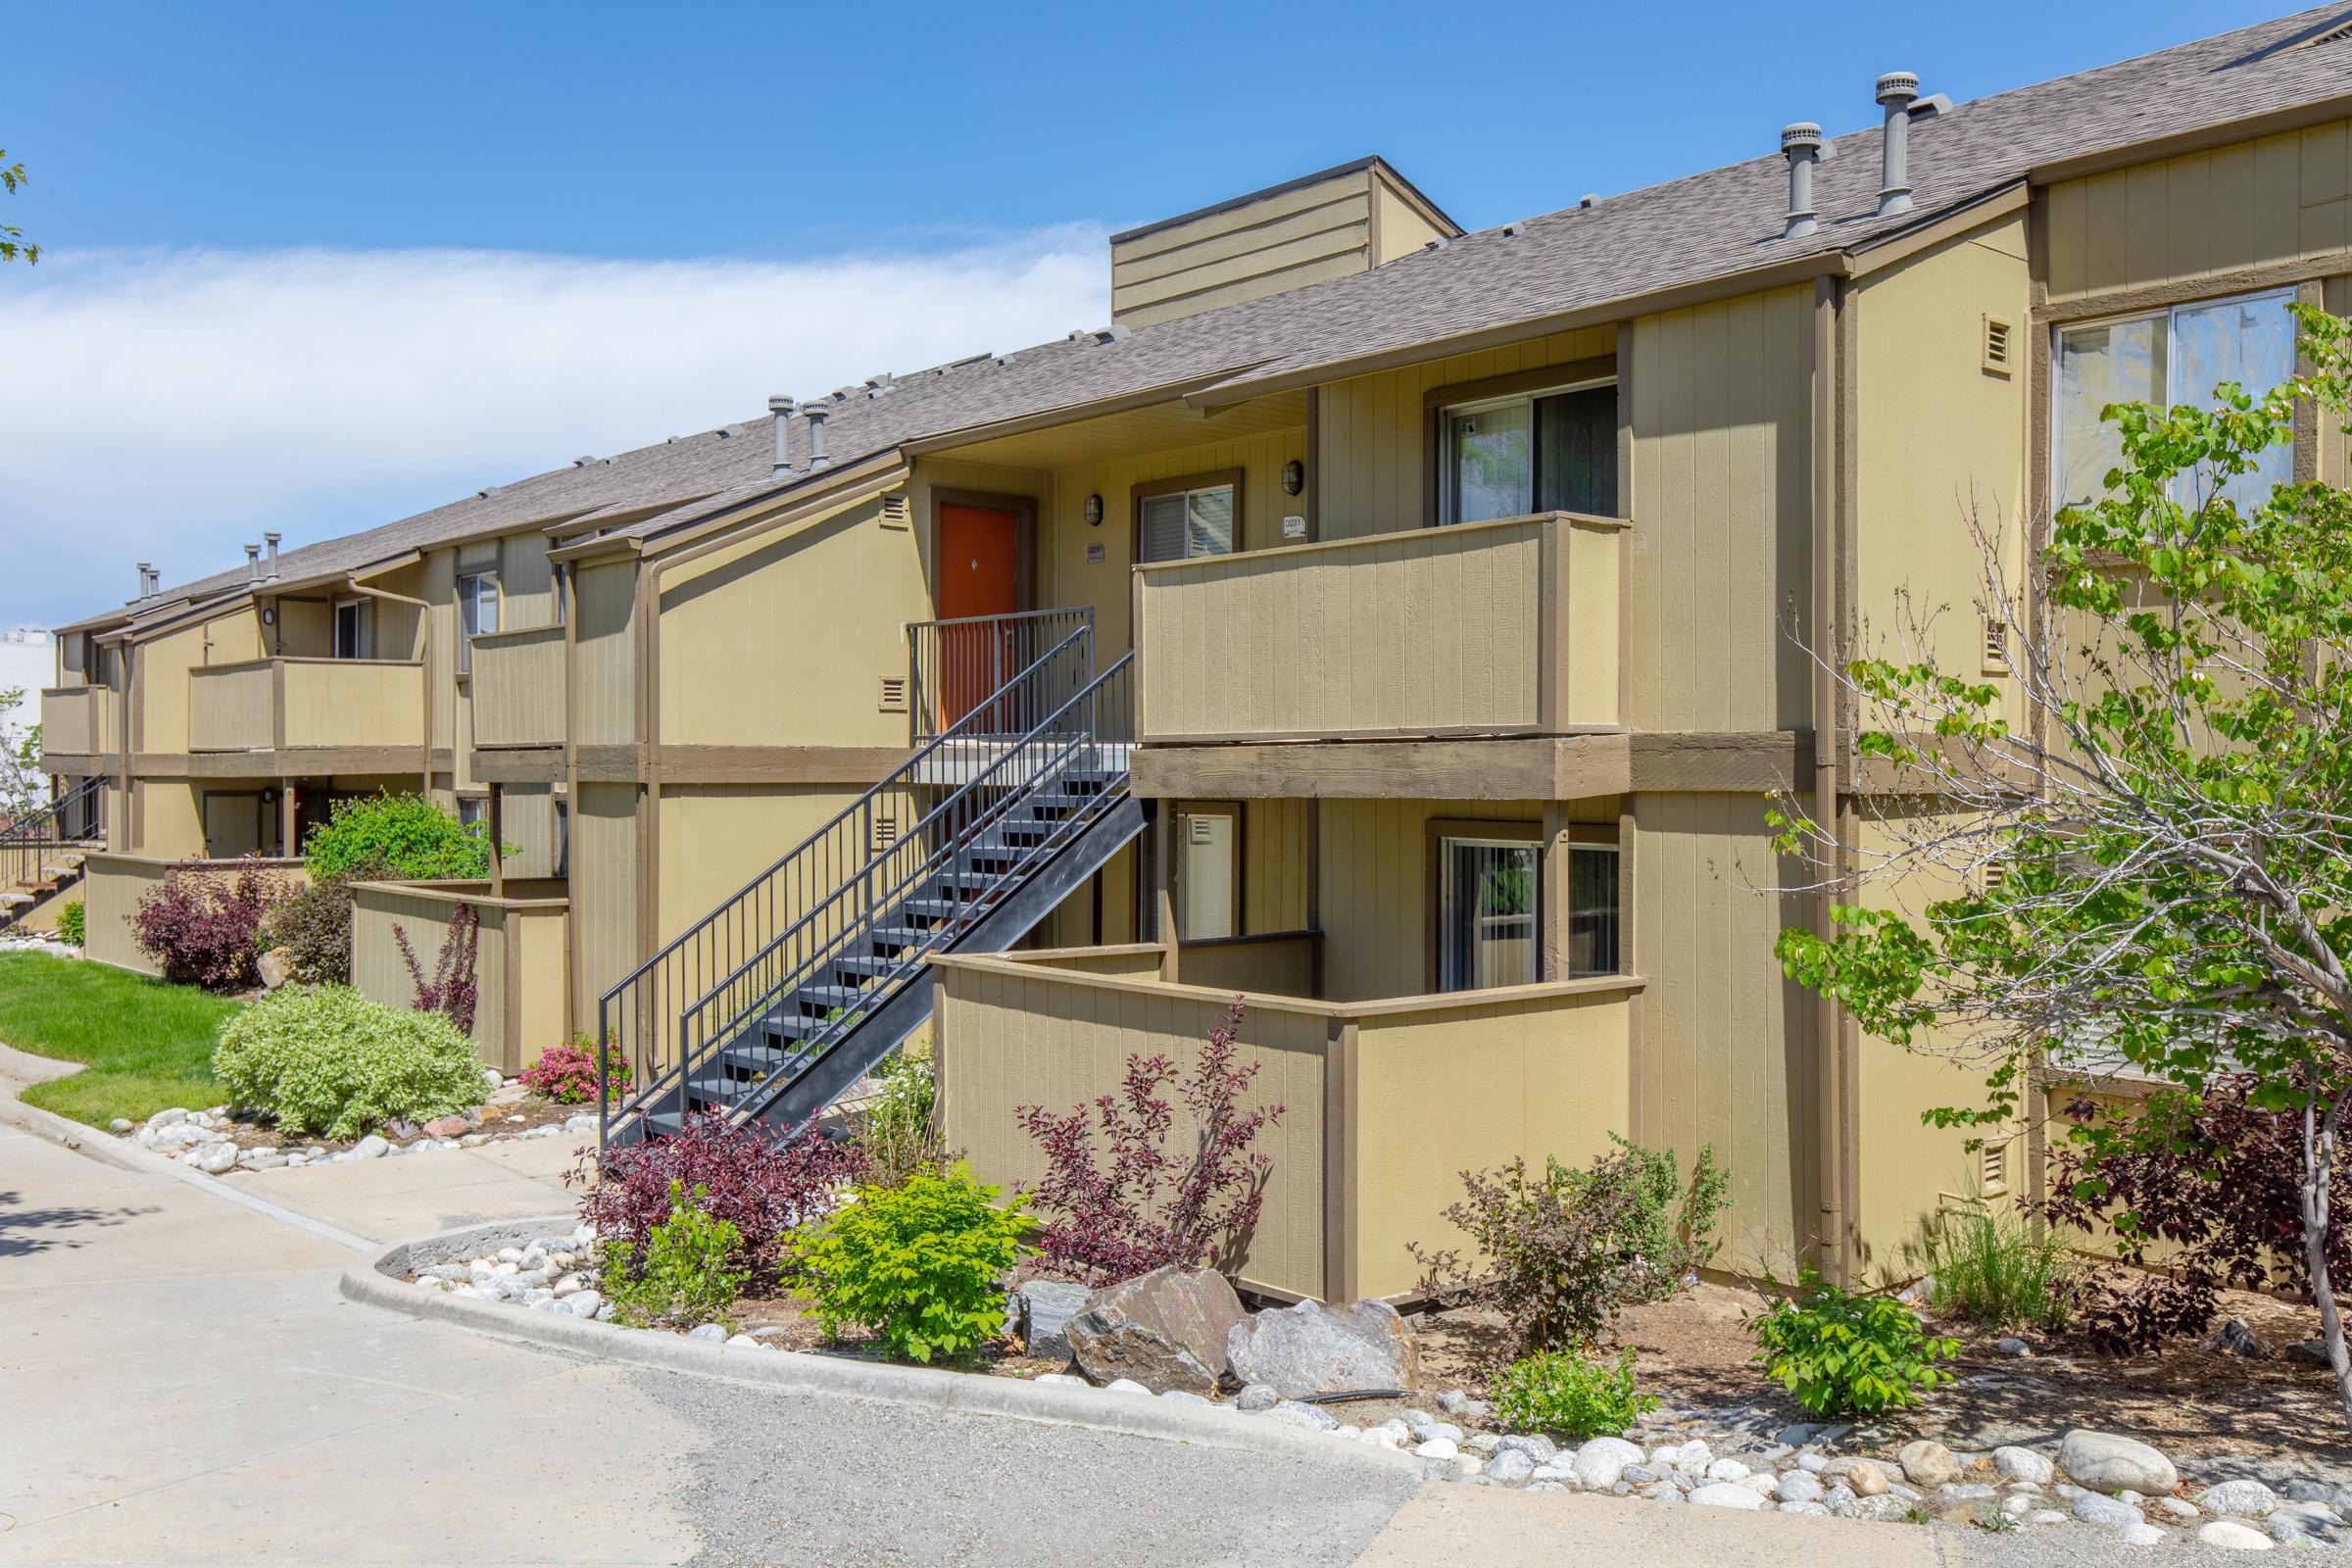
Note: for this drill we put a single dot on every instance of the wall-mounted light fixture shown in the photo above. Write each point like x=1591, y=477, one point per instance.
x=1093, y=512
x=268, y=797
x=1293, y=477
x=269, y=615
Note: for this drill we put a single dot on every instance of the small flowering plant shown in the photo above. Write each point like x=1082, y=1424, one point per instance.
x=566, y=1074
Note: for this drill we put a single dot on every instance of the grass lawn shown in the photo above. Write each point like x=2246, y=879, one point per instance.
x=149, y=1045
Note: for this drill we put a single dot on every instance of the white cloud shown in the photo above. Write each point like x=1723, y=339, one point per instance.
x=170, y=406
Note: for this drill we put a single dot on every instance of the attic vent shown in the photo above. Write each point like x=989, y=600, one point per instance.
x=1996, y=645
x=2335, y=34
x=1992, y=1168
x=1994, y=878
x=894, y=694
x=886, y=830
x=1998, y=340
x=898, y=511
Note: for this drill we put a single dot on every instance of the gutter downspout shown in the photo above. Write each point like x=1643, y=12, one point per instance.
x=424, y=673
x=1828, y=1015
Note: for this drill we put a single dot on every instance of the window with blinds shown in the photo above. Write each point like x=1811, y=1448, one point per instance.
x=1488, y=919
x=1179, y=524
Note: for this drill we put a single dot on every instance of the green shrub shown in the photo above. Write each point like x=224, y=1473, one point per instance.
x=406, y=837
x=1564, y=1394
x=326, y=1060
x=919, y=1265
x=314, y=926
x=1845, y=1353
x=894, y=1126
x=70, y=923
x=1998, y=1270
x=682, y=1276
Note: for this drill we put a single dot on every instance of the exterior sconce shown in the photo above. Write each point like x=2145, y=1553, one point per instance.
x=269, y=615
x=1093, y=512
x=268, y=797
x=1293, y=477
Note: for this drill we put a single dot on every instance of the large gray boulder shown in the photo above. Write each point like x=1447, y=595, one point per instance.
x=1044, y=1312
x=1311, y=1348
x=1166, y=1330
x=2105, y=1462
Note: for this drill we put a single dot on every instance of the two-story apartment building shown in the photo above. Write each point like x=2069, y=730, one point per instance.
x=1404, y=628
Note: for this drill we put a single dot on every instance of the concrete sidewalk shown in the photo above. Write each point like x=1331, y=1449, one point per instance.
x=402, y=1196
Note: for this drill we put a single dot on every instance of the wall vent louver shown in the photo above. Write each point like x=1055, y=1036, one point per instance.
x=885, y=832
x=894, y=694
x=1999, y=341
x=898, y=511
x=1992, y=1169
x=1996, y=646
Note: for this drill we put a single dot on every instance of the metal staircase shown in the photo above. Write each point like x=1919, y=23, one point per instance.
x=41, y=852
x=782, y=998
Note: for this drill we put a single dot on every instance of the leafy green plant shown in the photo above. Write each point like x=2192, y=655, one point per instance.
x=1842, y=1353
x=1998, y=1269
x=1566, y=1394
x=681, y=1274
x=326, y=1060
x=894, y=1126
x=314, y=926
x=399, y=836
x=1560, y=1251
x=72, y=923
x=919, y=1265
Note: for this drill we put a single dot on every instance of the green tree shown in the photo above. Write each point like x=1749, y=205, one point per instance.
x=13, y=243
x=2147, y=865
x=23, y=785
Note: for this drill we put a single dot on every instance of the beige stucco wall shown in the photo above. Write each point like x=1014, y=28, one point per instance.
x=2279, y=199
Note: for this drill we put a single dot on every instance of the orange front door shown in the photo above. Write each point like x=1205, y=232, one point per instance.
x=979, y=574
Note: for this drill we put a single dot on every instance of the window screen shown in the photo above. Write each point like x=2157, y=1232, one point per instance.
x=1181, y=524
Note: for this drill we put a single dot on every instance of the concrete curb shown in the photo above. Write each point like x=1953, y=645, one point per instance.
x=367, y=1282
x=94, y=1143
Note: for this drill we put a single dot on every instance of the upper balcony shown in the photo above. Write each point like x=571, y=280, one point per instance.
x=1487, y=630
x=342, y=705
x=518, y=688
x=78, y=721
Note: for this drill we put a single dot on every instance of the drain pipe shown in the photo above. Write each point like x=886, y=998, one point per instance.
x=1896, y=90
x=424, y=673
x=1828, y=1016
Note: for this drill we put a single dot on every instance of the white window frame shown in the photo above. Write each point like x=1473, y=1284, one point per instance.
x=468, y=602
x=2055, y=477
x=362, y=625
x=1448, y=499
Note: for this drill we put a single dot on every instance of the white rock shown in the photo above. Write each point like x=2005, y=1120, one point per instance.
x=584, y=1303
x=1727, y=1494
x=1439, y=1449
x=370, y=1146
x=2180, y=1508
x=491, y=1079
x=216, y=1158
x=509, y=1254
x=543, y=1302
x=2092, y=1508
x=706, y=1331
x=745, y=1339
x=1188, y=1397
x=2248, y=1500
x=568, y=1285
x=2045, y=1516
x=2232, y=1536
x=1798, y=1485
x=2105, y=1462
x=2022, y=1464
x=1813, y=1464
x=2142, y=1534
x=165, y=1119
x=1125, y=1386
x=1600, y=1464
x=1511, y=1467
x=1061, y=1377
x=1728, y=1470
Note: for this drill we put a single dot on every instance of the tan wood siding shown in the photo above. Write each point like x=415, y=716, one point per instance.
x=519, y=957
x=1727, y=1042
x=234, y=708
x=518, y=688
x=113, y=885
x=1722, y=437
x=605, y=662
x=1435, y=631
x=79, y=721
x=306, y=703
x=1372, y=431
x=2271, y=202
x=1281, y=963
x=605, y=848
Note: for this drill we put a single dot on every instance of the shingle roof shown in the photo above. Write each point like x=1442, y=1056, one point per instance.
x=1684, y=232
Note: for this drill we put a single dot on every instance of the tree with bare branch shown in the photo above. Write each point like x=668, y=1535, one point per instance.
x=2133, y=854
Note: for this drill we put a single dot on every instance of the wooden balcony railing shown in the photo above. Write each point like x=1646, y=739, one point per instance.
x=77, y=720
x=518, y=688
x=272, y=704
x=1386, y=1102
x=1508, y=627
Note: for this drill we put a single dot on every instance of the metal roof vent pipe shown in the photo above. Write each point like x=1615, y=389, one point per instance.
x=270, y=568
x=815, y=414
x=1896, y=91
x=1803, y=146
x=253, y=563
x=779, y=410
x=146, y=569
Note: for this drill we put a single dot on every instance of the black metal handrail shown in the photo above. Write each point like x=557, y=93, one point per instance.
x=636, y=1013
x=1091, y=731
x=956, y=668
x=28, y=841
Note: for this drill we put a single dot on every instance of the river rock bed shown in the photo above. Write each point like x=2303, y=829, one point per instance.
x=219, y=1142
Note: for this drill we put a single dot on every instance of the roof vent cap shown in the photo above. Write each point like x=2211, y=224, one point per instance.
x=1803, y=145
x=1896, y=90
x=1588, y=199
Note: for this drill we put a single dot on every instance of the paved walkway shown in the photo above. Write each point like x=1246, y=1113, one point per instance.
x=182, y=1384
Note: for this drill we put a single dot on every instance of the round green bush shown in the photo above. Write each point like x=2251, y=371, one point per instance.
x=326, y=1060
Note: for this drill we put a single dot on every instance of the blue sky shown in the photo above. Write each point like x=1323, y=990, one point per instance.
x=320, y=265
